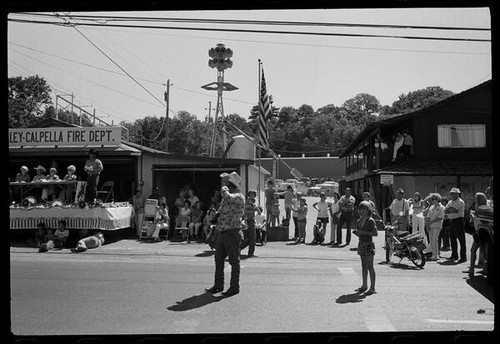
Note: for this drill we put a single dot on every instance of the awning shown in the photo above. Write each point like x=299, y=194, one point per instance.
x=121, y=149
x=438, y=168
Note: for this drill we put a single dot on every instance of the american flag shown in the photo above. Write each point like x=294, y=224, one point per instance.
x=264, y=113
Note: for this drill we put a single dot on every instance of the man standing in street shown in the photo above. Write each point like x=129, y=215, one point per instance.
x=455, y=211
x=228, y=244
x=400, y=210
x=346, y=203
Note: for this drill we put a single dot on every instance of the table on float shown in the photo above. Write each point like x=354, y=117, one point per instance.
x=111, y=216
x=40, y=184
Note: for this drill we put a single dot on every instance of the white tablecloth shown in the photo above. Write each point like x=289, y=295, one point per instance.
x=100, y=218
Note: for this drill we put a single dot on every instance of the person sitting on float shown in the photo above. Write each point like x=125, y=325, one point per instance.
x=23, y=176
x=49, y=192
x=67, y=194
x=38, y=178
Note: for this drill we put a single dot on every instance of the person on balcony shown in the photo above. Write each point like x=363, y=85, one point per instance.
x=407, y=148
x=398, y=143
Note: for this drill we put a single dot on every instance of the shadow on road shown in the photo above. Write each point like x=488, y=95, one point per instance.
x=351, y=298
x=403, y=266
x=449, y=262
x=480, y=284
x=205, y=254
x=196, y=301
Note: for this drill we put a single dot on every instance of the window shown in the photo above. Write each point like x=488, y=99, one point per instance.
x=461, y=135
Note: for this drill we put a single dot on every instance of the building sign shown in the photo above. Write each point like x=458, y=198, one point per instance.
x=67, y=136
x=386, y=179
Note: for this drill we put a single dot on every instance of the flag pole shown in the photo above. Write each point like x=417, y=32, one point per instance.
x=258, y=148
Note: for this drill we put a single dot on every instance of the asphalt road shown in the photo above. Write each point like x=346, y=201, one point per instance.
x=285, y=289
x=128, y=287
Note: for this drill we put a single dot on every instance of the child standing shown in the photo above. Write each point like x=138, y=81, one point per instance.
x=275, y=211
x=250, y=209
x=366, y=229
x=302, y=221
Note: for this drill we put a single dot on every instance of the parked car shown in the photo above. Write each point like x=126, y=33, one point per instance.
x=328, y=188
x=306, y=180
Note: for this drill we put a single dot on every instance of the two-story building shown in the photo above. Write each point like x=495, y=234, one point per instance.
x=452, y=147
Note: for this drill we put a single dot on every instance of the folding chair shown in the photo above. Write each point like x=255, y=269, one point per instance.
x=183, y=222
x=149, y=216
x=106, y=191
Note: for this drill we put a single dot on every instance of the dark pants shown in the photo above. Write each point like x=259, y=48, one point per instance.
x=296, y=228
x=228, y=245
x=457, y=232
x=444, y=236
x=251, y=237
x=91, y=190
x=345, y=218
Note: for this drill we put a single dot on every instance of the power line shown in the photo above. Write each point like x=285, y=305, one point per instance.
x=116, y=64
x=116, y=73
x=308, y=44
x=255, y=22
x=256, y=31
x=92, y=82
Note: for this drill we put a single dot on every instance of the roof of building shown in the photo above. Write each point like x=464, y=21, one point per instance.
x=370, y=128
x=185, y=156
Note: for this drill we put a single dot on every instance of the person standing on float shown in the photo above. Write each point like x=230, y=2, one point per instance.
x=93, y=167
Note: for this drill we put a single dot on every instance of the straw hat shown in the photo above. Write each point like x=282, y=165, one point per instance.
x=41, y=168
x=455, y=190
x=24, y=168
x=233, y=177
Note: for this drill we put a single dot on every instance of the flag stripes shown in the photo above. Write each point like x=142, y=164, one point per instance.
x=264, y=113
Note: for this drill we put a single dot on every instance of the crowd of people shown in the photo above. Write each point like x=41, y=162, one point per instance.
x=64, y=192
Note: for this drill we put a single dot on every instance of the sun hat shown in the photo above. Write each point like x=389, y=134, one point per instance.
x=455, y=190
x=24, y=168
x=72, y=168
x=40, y=167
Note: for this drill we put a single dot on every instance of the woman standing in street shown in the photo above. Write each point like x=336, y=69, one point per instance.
x=435, y=217
x=138, y=202
x=334, y=214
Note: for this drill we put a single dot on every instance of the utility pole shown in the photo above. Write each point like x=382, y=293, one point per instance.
x=208, y=126
x=167, y=100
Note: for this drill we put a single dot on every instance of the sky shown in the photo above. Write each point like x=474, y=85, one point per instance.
x=299, y=69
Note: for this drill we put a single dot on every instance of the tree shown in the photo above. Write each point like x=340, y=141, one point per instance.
x=361, y=106
x=27, y=100
x=418, y=99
